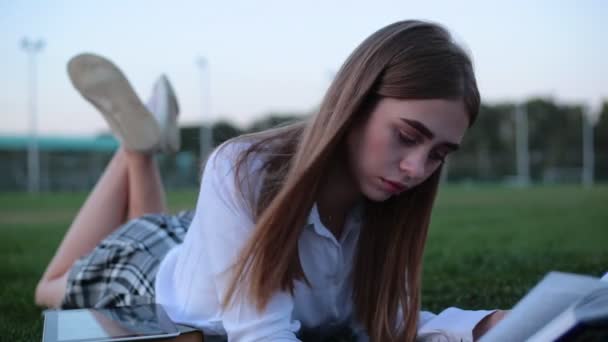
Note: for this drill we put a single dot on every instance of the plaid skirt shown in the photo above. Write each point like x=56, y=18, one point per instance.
x=122, y=268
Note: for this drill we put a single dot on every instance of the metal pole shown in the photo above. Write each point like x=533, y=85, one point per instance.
x=588, y=155
x=521, y=140
x=205, y=132
x=33, y=158
x=443, y=178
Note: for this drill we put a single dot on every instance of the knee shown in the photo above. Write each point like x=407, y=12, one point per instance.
x=41, y=296
x=49, y=292
x=40, y=293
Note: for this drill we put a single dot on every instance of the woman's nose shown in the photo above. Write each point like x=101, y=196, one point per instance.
x=413, y=164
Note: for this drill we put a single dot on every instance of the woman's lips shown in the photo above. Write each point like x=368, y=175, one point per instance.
x=393, y=186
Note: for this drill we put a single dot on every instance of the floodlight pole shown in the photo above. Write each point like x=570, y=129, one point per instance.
x=521, y=147
x=32, y=48
x=205, y=132
x=588, y=153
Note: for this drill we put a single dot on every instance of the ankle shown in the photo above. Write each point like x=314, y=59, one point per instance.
x=133, y=156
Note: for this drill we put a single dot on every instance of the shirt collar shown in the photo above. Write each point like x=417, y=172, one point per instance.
x=353, y=221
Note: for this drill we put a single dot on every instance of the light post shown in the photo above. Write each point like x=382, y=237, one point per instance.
x=588, y=153
x=32, y=48
x=521, y=145
x=205, y=132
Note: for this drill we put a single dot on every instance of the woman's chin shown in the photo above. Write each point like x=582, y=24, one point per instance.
x=376, y=195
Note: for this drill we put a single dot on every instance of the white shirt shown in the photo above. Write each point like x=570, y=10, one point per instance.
x=194, y=276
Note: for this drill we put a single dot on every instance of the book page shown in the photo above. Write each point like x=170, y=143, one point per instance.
x=556, y=292
x=593, y=307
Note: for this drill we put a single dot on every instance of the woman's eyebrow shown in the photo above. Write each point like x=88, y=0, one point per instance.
x=420, y=127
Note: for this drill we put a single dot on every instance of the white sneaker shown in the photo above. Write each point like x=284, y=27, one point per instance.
x=105, y=86
x=163, y=104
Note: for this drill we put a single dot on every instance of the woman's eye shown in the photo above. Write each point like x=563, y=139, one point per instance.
x=438, y=156
x=406, y=139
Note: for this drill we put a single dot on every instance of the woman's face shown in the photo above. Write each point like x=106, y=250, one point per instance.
x=402, y=143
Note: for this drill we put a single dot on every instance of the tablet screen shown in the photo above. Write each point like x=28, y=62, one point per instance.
x=120, y=323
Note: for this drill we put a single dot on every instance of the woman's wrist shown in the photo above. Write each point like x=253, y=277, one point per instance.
x=488, y=323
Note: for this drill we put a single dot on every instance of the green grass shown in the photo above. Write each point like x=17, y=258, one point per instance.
x=486, y=248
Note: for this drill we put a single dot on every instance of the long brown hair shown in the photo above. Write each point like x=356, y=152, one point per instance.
x=405, y=60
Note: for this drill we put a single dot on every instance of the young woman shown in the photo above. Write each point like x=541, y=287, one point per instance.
x=299, y=231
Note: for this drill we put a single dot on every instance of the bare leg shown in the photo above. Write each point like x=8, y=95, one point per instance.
x=146, y=192
x=129, y=187
x=103, y=211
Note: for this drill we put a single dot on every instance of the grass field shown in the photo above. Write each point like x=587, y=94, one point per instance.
x=486, y=248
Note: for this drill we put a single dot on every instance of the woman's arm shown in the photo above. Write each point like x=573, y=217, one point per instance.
x=226, y=224
x=457, y=324
x=488, y=323
x=452, y=324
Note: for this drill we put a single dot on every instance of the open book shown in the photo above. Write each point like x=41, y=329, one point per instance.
x=562, y=307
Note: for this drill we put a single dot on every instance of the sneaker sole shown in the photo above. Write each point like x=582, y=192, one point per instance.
x=168, y=116
x=105, y=87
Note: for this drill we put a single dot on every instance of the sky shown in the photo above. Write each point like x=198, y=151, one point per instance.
x=279, y=56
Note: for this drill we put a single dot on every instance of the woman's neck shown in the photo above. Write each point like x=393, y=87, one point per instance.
x=338, y=193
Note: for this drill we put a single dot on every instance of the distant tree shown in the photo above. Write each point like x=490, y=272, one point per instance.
x=224, y=130
x=274, y=120
x=487, y=152
x=190, y=137
x=555, y=136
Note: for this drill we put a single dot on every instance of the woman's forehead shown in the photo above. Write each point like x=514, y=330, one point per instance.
x=440, y=118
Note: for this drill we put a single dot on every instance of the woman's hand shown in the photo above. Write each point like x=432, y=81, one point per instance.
x=488, y=323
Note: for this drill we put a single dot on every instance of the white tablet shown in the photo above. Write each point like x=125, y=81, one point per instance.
x=126, y=323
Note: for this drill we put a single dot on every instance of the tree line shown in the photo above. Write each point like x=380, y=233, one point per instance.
x=488, y=152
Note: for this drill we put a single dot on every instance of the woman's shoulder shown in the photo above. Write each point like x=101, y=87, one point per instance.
x=236, y=166
x=239, y=151
x=260, y=145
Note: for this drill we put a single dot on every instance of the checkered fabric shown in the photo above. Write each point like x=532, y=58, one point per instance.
x=122, y=268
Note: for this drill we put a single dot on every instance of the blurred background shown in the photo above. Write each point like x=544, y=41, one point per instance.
x=526, y=194
x=244, y=66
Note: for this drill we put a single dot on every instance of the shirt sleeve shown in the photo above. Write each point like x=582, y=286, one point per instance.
x=452, y=324
x=226, y=224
